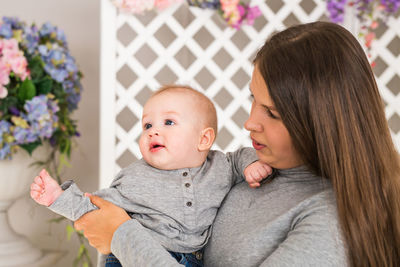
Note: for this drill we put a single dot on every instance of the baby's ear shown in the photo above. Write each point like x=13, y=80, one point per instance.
x=206, y=139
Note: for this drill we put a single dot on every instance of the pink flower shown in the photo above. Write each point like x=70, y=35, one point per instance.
x=252, y=14
x=12, y=59
x=229, y=6
x=4, y=74
x=233, y=18
x=374, y=25
x=3, y=92
x=163, y=4
x=369, y=38
x=134, y=6
x=19, y=67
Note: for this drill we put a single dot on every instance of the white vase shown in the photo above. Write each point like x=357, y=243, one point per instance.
x=16, y=175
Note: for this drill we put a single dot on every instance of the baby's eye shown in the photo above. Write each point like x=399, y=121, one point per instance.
x=147, y=126
x=169, y=122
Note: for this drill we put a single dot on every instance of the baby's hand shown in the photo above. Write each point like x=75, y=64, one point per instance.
x=44, y=189
x=255, y=172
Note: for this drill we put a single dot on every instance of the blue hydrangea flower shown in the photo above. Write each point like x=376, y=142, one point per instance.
x=4, y=128
x=14, y=22
x=6, y=31
x=23, y=136
x=38, y=119
x=36, y=108
x=5, y=151
x=43, y=51
x=31, y=39
x=5, y=148
x=47, y=29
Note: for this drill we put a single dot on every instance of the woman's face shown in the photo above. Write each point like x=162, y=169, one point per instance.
x=269, y=135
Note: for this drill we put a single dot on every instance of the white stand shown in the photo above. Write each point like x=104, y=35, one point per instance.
x=15, y=249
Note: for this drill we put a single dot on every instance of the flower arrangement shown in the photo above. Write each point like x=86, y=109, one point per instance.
x=39, y=88
x=140, y=6
x=369, y=13
x=234, y=12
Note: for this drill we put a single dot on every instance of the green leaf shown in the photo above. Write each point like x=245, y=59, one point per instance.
x=44, y=85
x=63, y=162
x=30, y=147
x=56, y=220
x=85, y=264
x=82, y=249
x=35, y=66
x=26, y=91
x=70, y=231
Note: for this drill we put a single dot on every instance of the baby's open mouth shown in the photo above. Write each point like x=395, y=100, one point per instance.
x=155, y=147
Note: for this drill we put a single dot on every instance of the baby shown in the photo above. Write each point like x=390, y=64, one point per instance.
x=175, y=190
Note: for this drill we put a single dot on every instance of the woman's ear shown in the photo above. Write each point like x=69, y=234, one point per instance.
x=206, y=139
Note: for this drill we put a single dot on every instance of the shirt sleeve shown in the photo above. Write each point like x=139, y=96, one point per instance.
x=313, y=240
x=239, y=160
x=134, y=246
x=72, y=203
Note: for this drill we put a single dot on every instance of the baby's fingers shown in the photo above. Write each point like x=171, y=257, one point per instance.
x=36, y=187
x=38, y=180
x=267, y=168
x=254, y=185
x=36, y=192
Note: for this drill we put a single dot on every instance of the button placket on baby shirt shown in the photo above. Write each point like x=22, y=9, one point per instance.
x=188, y=197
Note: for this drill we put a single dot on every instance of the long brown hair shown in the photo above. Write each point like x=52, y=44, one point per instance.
x=324, y=89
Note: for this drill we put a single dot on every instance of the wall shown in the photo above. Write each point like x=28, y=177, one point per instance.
x=80, y=22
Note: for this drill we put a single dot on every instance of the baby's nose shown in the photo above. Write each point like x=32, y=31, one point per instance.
x=153, y=133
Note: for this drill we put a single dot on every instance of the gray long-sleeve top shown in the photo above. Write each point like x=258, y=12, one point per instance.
x=291, y=221
x=175, y=207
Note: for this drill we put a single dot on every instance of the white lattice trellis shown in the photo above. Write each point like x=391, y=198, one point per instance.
x=193, y=46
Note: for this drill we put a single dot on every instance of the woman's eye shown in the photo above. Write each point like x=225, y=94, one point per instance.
x=270, y=114
x=169, y=122
x=147, y=126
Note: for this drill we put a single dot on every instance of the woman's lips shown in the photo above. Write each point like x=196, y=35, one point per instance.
x=257, y=146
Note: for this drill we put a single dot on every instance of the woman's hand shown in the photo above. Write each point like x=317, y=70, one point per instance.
x=99, y=225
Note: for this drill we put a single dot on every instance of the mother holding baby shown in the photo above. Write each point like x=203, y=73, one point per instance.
x=318, y=119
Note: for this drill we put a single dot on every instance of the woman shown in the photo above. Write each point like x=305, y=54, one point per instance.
x=317, y=117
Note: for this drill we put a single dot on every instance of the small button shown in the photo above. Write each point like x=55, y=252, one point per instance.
x=199, y=255
x=185, y=174
x=187, y=184
x=189, y=204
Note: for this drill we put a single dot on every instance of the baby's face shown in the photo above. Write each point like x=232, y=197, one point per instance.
x=171, y=131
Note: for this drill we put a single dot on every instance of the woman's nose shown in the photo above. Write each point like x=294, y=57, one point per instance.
x=252, y=125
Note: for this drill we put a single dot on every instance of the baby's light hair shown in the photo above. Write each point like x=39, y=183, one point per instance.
x=205, y=104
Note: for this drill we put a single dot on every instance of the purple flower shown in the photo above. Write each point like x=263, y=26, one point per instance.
x=252, y=14
x=391, y=6
x=13, y=110
x=212, y=4
x=336, y=10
